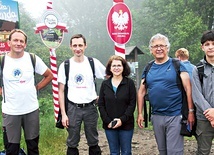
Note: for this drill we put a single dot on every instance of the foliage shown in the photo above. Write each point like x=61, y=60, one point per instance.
x=175, y=19
x=182, y=21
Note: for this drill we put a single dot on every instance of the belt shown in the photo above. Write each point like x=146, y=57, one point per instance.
x=82, y=105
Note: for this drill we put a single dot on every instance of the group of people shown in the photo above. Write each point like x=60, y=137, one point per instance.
x=117, y=98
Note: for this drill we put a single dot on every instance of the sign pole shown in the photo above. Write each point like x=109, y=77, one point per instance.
x=119, y=48
x=52, y=30
x=53, y=65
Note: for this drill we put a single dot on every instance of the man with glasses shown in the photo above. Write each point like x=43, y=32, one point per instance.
x=165, y=98
x=82, y=97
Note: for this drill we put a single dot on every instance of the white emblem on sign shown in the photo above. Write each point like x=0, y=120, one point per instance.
x=120, y=20
x=51, y=21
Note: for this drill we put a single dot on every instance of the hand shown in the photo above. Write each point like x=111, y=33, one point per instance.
x=140, y=121
x=209, y=114
x=65, y=121
x=118, y=124
x=191, y=119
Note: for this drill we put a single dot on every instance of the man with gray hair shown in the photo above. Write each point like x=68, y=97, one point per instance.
x=165, y=97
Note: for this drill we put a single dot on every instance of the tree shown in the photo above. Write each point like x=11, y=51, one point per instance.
x=175, y=19
x=182, y=21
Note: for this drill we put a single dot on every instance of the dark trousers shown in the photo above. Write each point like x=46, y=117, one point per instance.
x=93, y=150
x=14, y=148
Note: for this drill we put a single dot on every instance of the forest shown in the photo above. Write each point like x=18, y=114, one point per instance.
x=182, y=21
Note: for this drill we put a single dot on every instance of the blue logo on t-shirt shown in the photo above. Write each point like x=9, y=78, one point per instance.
x=17, y=73
x=79, y=79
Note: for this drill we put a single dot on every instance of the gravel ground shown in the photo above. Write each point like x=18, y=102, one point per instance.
x=143, y=143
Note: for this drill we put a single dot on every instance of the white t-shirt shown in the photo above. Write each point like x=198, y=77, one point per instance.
x=19, y=87
x=81, y=88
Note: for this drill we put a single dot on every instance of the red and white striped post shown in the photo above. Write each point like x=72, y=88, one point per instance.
x=119, y=48
x=49, y=5
x=53, y=65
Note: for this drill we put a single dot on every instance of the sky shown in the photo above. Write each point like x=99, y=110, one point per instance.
x=34, y=7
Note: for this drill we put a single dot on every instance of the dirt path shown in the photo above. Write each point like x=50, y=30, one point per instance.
x=143, y=144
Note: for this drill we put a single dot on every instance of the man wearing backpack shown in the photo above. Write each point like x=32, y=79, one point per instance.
x=165, y=97
x=20, y=106
x=81, y=97
x=203, y=95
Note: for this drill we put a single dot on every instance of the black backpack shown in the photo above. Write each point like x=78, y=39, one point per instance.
x=67, y=66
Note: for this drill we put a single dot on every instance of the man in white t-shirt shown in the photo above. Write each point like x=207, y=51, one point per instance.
x=20, y=106
x=82, y=97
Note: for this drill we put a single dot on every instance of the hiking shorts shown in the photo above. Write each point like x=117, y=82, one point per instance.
x=14, y=123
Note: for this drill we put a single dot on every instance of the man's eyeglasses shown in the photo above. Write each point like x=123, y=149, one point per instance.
x=156, y=46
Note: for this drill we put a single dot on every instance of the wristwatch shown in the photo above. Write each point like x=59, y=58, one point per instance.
x=191, y=110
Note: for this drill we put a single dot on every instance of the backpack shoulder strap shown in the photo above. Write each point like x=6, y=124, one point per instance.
x=200, y=67
x=33, y=60
x=147, y=68
x=91, y=61
x=176, y=64
x=2, y=58
x=67, y=66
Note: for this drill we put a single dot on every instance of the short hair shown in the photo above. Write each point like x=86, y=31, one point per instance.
x=183, y=53
x=161, y=37
x=19, y=31
x=126, y=68
x=78, y=36
x=207, y=36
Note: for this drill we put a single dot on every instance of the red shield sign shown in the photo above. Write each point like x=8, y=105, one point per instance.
x=119, y=23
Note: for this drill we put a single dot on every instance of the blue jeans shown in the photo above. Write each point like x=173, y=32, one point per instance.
x=120, y=140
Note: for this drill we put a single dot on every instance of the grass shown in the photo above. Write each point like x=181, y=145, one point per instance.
x=52, y=139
